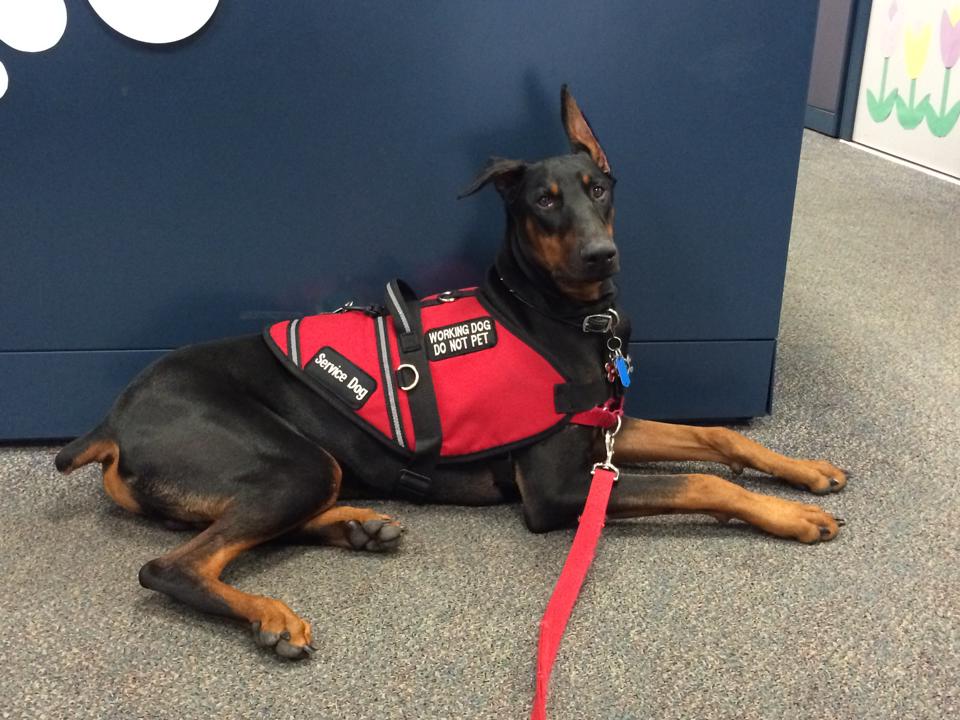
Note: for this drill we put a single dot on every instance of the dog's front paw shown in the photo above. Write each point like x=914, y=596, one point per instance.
x=788, y=519
x=817, y=476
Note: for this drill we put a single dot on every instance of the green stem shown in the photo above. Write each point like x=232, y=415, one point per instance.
x=946, y=89
x=883, y=78
x=913, y=92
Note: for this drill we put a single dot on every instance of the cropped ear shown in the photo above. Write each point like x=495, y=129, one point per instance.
x=504, y=173
x=579, y=132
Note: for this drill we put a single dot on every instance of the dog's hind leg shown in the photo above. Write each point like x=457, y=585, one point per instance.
x=95, y=447
x=349, y=527
x=191, y=572
x=648, y=441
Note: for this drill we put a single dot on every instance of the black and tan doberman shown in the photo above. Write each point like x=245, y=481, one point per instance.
x=219, y=436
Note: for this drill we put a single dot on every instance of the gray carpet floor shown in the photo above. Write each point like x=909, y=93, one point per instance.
x=680, y=618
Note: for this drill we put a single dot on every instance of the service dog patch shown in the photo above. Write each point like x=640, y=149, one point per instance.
x=341, y=377
x=461, y=338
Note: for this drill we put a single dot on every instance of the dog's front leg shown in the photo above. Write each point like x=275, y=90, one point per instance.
x=553, y=478
x=640, y=495
x=647, y=441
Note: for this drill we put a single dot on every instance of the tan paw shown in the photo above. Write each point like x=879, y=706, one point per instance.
x=788, y=519
x=353, y=528
x=817, y=476
x=283, y=630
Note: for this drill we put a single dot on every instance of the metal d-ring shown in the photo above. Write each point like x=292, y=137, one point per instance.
x=416, y=377
x=446, y=296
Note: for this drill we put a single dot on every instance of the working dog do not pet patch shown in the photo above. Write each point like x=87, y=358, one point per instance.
x=461, y=338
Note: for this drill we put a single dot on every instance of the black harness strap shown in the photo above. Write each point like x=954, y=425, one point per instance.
x=577, y=397
x=414, y=480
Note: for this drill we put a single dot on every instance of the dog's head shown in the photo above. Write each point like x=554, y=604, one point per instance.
x=561, y=209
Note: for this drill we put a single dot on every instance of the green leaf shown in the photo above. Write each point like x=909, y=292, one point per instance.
x=880, y=109
x=941, y=125
x=873, y=106
x=887, y=103
x=909, y=117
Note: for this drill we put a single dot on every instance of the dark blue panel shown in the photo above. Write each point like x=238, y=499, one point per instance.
x=823, y=121
x=62, y=394
x=295, y=153
x=858, y=47
x=701, y=380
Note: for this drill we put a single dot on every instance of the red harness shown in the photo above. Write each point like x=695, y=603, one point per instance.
x=494, y=390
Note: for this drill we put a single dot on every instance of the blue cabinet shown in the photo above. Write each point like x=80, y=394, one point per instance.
x=293, y=155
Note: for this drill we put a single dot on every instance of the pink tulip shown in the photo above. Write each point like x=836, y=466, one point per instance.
x=891, y=33
x=949, y=40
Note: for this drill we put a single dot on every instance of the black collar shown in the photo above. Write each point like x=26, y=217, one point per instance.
x=511, y=272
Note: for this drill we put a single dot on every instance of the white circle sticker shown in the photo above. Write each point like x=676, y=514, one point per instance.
x=155, y=21
x=32, y=25
x=4, y=80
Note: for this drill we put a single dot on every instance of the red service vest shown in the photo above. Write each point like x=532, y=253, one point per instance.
x=494, y=391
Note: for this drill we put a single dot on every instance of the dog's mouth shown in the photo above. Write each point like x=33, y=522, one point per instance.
x=604, y=272
x=588, y=284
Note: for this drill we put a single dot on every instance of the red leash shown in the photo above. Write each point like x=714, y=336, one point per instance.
x=574, y=571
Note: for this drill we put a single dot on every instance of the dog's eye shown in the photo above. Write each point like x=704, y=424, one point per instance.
x=546, y=201
x=598, y=191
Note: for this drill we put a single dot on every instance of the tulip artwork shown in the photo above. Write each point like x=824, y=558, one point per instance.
x=916, y=45
x=881, y=106
x=942, y=122
x=941, y=115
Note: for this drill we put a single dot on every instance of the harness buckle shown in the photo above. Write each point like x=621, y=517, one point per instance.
x=598, y=323
x=369, y=310
x=413, y=485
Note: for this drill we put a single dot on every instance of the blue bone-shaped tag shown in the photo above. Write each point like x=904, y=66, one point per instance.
x=623, y=370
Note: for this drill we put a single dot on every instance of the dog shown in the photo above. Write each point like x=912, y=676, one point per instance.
x=221, y=436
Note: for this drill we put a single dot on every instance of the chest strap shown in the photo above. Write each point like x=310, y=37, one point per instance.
x=413, y=377
x=577, y=397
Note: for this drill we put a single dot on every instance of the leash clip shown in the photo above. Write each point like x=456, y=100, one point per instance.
x=609, y=436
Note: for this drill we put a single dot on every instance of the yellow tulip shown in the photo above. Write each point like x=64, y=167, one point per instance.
x=915, y=46
x=954, y=13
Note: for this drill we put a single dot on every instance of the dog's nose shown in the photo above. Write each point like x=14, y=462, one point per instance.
x=598, y=256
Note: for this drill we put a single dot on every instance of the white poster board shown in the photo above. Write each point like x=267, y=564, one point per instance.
x=909, y=103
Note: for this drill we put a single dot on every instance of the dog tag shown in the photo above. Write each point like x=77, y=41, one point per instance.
x=611, y=370
x=623, y=370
